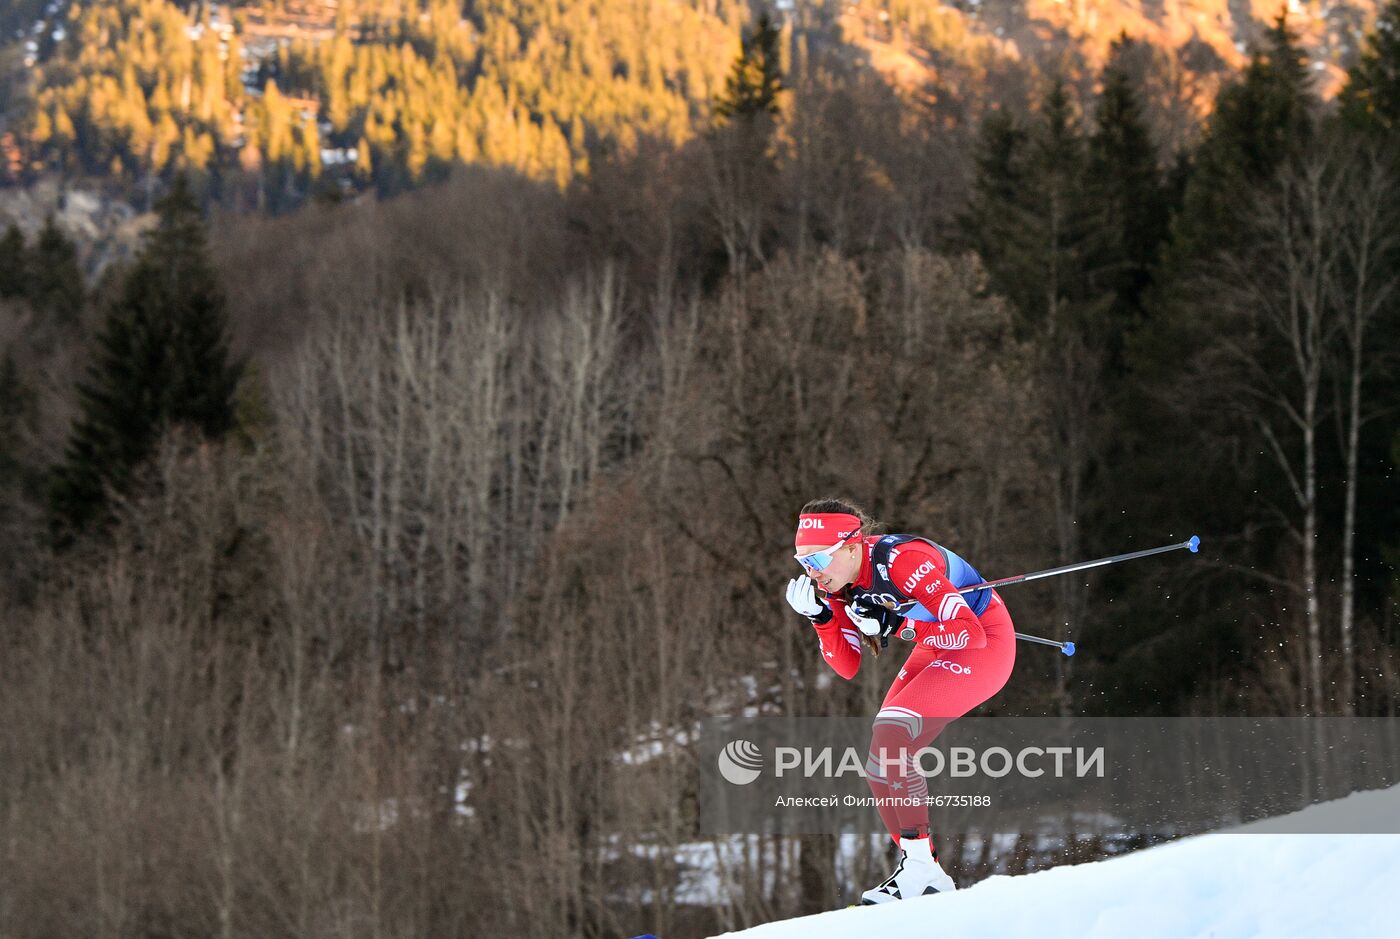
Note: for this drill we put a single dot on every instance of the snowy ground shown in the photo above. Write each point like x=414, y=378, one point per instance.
x=1223, y=886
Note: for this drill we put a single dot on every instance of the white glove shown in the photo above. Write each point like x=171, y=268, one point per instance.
x=866, y=624
x=802, y=597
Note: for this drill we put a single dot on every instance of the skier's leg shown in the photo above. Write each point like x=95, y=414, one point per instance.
x=896, y=737
x=934, y=689
x=875, y=774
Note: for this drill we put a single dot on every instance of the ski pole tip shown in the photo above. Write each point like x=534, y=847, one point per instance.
x=1194, y=543
x=1067, y=648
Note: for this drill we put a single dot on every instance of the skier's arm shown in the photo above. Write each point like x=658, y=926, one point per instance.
x=919, y=574
x=840, y=641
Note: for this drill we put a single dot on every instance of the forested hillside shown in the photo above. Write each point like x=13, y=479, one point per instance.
x=970, y=53
x=269, y=103
x=266, y=100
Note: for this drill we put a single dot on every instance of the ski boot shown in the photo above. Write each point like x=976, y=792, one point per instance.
x=917, y=874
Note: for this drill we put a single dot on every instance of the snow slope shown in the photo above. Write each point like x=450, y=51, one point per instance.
x=1223, y=886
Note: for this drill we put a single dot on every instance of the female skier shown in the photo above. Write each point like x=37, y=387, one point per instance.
x=964, y=647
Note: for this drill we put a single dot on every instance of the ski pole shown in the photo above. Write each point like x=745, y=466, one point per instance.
x=1192, y=544
x=1066, y=647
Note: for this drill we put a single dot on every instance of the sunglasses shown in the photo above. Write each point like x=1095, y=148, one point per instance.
x=813, y=563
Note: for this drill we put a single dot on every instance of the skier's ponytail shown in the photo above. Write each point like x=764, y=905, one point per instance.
x=868, y=525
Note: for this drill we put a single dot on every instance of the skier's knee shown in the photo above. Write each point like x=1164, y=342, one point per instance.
x=896, y=720
x=891, y=740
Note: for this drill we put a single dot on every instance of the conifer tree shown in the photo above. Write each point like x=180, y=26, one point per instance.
x=1069, y=235
x=162, y=360
x=1042, y=244
x=1371, y=97
x=54, y=282
x=14, y=400
x=1257, y=124
x=755, y=81
x=1125, y=186
x=994, y=224
x=1028, y=218
x=13, y=262
x=16, y=410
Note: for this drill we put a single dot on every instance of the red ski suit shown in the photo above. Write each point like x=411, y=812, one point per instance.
x=947, y=674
